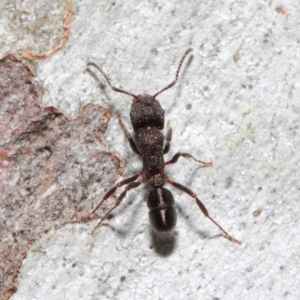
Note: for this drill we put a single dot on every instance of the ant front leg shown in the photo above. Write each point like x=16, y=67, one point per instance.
x=129, y=138
x=202, y=207
x=187, y=155
x=130, y=186
x=169, y=138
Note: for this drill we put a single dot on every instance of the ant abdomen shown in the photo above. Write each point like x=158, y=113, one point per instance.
x=162, y=214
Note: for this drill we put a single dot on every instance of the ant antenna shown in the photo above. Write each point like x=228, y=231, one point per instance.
x=177, y=73
x=136, y=98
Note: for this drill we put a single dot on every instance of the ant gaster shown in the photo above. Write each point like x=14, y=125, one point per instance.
x=147, y=118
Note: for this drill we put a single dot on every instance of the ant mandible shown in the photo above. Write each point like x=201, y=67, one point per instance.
x=147, y=118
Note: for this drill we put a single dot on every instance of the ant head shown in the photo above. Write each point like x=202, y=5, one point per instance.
x=147, y=112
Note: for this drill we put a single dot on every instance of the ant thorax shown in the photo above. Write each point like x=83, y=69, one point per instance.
x=150, y=143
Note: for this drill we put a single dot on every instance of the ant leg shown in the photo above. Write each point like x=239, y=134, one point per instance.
x=112, y=190
x=202, y=207
x=129, y=138
x=130, y=186
x=169, y=138
x=187, y=155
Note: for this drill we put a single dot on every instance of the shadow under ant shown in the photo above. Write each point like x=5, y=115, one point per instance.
x=163, y=246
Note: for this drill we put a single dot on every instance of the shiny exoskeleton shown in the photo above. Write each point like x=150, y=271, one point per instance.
x=148, y=118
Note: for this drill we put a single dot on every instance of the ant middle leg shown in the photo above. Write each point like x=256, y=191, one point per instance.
x=187, y=155
x=202, y=207
x=113, y=189
x=129, y=138
x=130, y=186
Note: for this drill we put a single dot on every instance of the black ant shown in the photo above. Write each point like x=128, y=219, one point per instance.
x=147, y=118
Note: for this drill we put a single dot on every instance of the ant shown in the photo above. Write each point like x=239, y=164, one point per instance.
x=147, y=118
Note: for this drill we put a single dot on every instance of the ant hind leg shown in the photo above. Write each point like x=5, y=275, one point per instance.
x=130, y=186
x=113, y=189
x=202, y=207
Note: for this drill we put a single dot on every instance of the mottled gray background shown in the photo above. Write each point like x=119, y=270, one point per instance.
x=237, y=104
